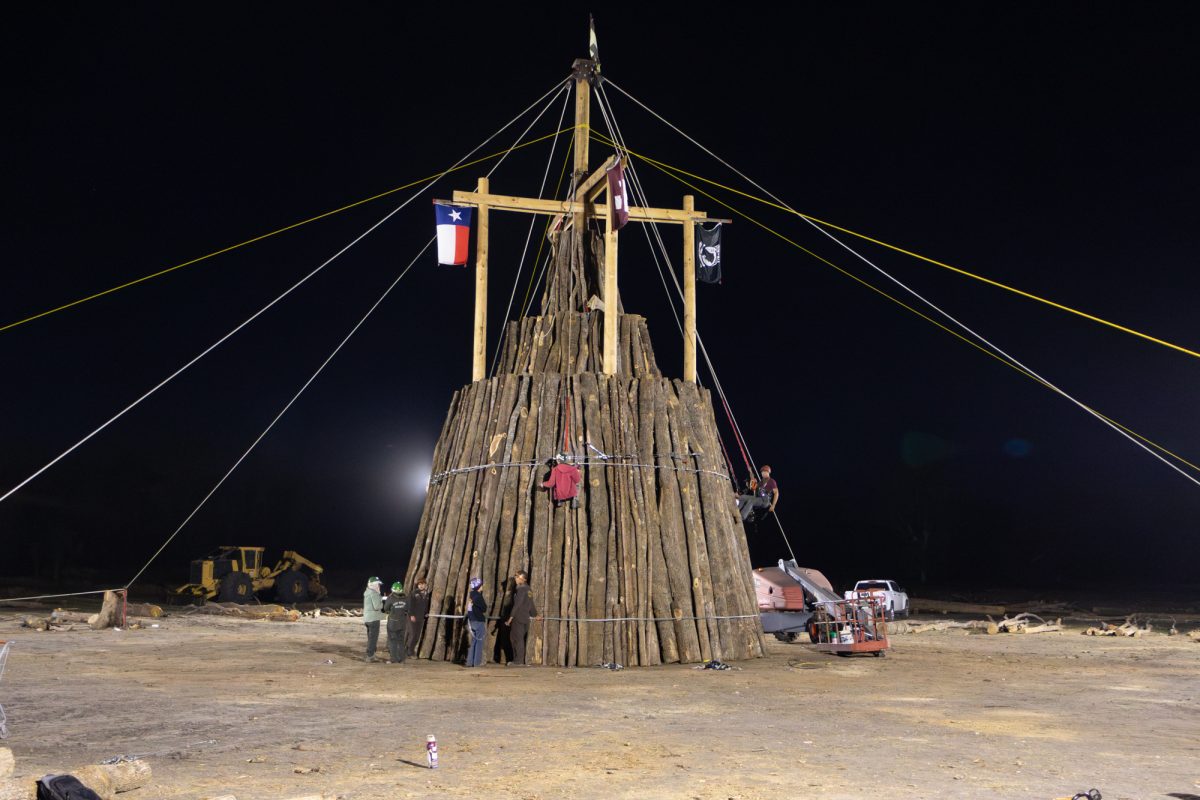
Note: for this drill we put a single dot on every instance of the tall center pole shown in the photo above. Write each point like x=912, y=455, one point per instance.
x=689, y=292
x=479, y=352
x=610, y=292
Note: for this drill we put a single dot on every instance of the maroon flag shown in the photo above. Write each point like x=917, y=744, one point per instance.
x=618, y=197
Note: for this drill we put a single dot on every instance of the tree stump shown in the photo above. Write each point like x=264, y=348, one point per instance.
x=110, y=612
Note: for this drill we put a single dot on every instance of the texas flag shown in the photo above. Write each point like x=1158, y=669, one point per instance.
x=453, y=233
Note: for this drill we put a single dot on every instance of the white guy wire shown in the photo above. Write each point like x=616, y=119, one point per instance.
x=529, y=233
x=282, y=411
x=1011, y=359
x=262, y=310
x=737, y=431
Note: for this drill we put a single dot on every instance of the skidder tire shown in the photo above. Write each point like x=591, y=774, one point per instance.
x=291, y=587
x=236, y=587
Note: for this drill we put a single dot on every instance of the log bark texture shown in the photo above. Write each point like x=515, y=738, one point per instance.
x=110, y=612
x=650, y=565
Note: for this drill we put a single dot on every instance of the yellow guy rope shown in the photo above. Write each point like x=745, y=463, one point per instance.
x=907, y=307
x=669, y=169
x=293, y=226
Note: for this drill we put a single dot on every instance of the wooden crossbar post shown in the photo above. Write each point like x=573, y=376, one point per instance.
x=689, y=292
x=610, y=293
x=479, y=353
x=583, y=116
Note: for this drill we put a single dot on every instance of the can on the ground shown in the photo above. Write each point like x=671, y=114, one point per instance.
x=431, y=750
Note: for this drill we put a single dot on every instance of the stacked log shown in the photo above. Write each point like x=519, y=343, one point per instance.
x=650, y=565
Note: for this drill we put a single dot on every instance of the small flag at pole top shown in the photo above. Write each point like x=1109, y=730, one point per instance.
x=453, y=233
x=593, y=48
x=618, y=196
x=708, y=253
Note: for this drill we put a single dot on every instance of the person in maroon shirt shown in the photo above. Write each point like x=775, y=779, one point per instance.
x=766, y=496
x=563, y=481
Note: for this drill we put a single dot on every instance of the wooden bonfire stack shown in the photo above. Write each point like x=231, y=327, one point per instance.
x=651, y=566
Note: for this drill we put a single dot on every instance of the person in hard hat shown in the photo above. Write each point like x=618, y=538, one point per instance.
x=418, y=607
x=476, y=623
x=372, y=614
x=396, y=607
x=766, y=495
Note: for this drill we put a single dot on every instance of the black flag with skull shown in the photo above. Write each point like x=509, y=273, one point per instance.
x=708, y=253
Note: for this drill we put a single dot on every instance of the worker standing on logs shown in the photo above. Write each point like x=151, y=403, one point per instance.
x=372, y=615
x=518, y=620
x=563, y=482
x=396, y=607
x=476, y=623
x=766, y=496
x=418, y=607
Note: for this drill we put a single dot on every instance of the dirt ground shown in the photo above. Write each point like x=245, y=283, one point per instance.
x=255, y=709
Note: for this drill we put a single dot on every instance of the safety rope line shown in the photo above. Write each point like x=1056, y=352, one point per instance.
x=529, y=234
x=282, y=411
x=999, y=354
x=330, y=358
x=284, y=229
x=636, y=185
x=606, y=619
x=611, y=461
x=264, y=309
x=815, y=221
x=531, y=287
x=636, y=192
x=52, y=596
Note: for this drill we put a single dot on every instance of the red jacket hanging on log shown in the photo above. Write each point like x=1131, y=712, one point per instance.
x=564, y=482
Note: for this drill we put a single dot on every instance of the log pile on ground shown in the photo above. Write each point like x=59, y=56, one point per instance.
x=651, y=565
x=1021, y=623
x=325, y=611
x=1128, y=628
x=270, y=611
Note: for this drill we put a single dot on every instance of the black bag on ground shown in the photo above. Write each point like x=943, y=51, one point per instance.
x=63, y=787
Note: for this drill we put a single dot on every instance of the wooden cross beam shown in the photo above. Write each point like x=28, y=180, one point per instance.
x=591, y=188
x=533, y=205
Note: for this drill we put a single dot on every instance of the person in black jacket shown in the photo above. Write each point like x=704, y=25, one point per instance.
x=395, y=605
x=518, y=620
x=418, y=607
x=477, y=623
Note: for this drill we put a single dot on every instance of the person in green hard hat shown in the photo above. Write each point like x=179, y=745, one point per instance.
x=396, y=607
x=372, y=615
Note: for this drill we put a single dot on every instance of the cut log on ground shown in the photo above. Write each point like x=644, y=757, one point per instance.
x=59, y=615
x=144, y=610
x=108, y=780
x=272, y=612
x=110, y=612
x=1128, y=628
x=943, y=625
x=954, y=607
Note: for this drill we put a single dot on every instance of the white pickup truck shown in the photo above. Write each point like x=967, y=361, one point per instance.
x=893, y=599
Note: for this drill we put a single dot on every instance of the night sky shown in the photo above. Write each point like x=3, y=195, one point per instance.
x=1052, y=147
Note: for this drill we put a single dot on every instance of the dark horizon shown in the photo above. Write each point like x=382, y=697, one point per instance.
x=1050, y=148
